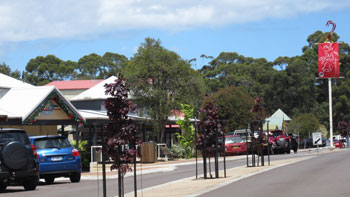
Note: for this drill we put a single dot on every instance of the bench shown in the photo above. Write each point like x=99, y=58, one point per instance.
x=167, y=153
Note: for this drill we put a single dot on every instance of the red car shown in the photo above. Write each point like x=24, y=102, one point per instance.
x=338, y=144
x=234, y=144
x=281, y=142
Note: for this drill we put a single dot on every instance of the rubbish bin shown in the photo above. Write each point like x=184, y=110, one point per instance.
x=148, y=152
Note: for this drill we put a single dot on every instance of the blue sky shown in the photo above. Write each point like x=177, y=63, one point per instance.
x=70, y=29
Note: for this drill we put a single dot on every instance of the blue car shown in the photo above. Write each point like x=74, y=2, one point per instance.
x=57, y=158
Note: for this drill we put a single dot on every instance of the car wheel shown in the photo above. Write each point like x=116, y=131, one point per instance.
x=49, y=180
x=30, y=184
x=3, y=186
x=75, y=177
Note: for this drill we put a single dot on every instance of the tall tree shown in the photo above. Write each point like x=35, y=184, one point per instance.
x=112, y=64
x=231, y=69
x=5, y=69
x=234, y=105
x=42, y=70
x=160, y=80
x=89, y=66
x=94, y=66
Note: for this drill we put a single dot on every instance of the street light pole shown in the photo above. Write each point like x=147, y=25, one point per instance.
x=330, y=112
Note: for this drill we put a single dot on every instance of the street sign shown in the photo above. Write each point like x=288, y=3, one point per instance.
x=317, y=138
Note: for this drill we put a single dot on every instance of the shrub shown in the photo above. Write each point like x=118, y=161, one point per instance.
x=84, y=154
x=178, y=149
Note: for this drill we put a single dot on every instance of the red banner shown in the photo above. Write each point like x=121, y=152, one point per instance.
x=328, y=60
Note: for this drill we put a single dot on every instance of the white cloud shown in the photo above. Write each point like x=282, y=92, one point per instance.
x=24, y=20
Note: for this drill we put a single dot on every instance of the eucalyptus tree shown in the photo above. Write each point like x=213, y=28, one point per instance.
x=160, y=81
x=42, y=70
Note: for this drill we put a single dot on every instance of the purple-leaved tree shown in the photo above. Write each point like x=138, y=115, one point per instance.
x=208, y=124
x=121, y=140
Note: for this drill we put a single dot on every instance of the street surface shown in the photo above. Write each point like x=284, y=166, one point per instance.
x=94, y=188
x=325, y=175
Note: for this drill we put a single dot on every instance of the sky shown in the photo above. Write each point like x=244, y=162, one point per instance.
x=71, y=29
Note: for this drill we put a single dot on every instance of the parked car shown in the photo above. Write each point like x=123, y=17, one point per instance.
x=243, y=133
x=281, y=142
x=234, y=144
x=308, y=143
x=18, y=160
x=338, y=143
x=57, y=158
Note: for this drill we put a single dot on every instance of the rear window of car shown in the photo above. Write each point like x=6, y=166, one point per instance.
x=14, y=136
x=236, y=139
x=45, y=143
x=277, y=133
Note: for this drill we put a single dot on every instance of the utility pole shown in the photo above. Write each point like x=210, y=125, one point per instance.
x=330, y=112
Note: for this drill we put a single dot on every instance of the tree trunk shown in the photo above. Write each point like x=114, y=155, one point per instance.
x=161, y=129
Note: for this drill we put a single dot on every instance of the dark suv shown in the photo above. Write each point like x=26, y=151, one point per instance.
x=18, y=160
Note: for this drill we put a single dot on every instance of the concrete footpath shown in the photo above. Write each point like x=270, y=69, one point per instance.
x=192, y=187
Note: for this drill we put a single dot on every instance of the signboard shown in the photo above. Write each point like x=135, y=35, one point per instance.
x=47, y=110
x=317, y=138
x=328, y=60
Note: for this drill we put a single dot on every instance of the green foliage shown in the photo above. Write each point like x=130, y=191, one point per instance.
x=5, y=69
x=178, y=149
x=304, y=125
x=187, y=137
x=234, y=107
x=232, y=69
x=84, y=153
x=82, y=144
x=289, y=83
x=94, y=66
x=42, y=70
x=324, y=131
x=161, y=81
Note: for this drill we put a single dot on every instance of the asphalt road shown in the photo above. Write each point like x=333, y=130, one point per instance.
x=325, y=175
x=93, y=188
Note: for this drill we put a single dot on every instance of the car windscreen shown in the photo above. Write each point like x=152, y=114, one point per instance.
x=231, y=140
x=14, y=136
x=276, y=133
x=44, y=143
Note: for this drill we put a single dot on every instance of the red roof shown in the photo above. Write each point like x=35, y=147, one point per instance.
x=75, y=84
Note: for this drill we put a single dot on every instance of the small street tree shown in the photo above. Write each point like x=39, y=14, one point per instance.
x=121, y=141
x=259, y=116
x=187, y=137
x=209, y=123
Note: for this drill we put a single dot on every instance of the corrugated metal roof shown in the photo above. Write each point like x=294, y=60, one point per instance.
x=9, y=82
x=74, y=84
x=279, y=114
x=21, y=102
x=277, y=119
x=96, y=92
